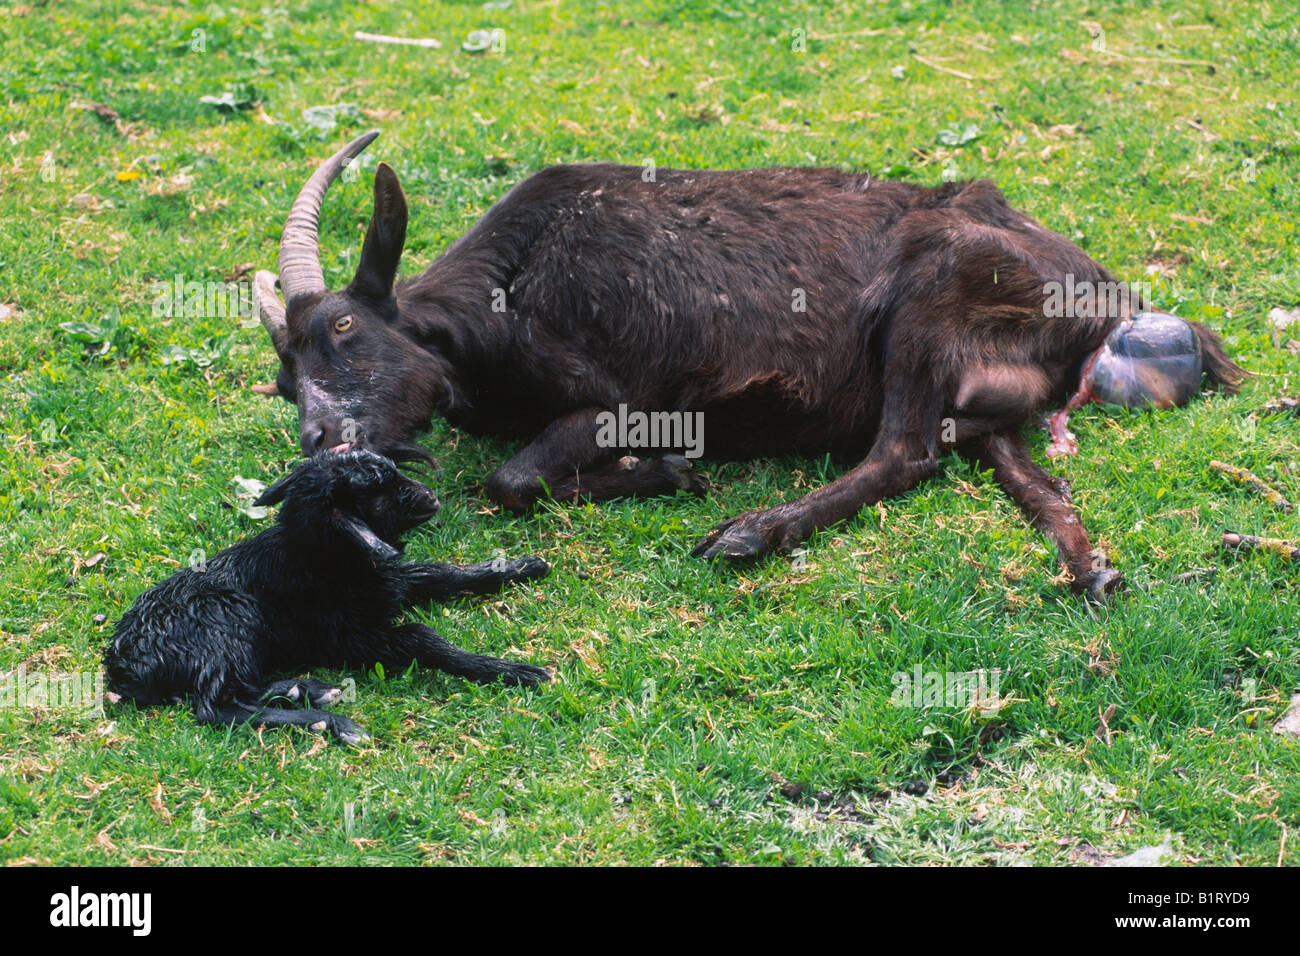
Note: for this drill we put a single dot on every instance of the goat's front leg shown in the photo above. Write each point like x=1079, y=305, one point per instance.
x=567, y=460
x=424, y=645
x=895, y=464
x=1045, y=501
x=261, y=715
x=437, y=581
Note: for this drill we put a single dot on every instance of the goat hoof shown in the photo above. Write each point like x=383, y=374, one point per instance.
x=350, y=734
x=344, y=730
x=304, y=690
x=731, y=539
x=682, y=473
x=1104, y=585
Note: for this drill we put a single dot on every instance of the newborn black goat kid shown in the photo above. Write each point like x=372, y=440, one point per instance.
x=321, y=588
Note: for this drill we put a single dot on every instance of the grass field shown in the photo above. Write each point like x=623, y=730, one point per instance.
x=699, y=715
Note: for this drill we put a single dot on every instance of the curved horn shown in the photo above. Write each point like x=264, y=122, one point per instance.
x=300, y=271
x=270, y=311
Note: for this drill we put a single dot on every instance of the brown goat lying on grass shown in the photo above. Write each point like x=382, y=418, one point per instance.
x=798, y=310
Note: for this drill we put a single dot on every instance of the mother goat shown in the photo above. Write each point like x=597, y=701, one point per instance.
x=800, y=310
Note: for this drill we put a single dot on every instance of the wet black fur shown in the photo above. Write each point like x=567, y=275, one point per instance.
x=320, y=588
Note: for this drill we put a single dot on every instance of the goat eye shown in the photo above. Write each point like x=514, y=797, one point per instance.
x=343, y=323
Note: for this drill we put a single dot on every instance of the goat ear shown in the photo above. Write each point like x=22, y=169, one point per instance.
x=359, y=531
x=386, y=235
x=275, y=494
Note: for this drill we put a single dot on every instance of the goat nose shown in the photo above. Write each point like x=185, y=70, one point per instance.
x=312, y=439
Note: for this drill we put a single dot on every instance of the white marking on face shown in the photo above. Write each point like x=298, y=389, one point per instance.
x=317, y=402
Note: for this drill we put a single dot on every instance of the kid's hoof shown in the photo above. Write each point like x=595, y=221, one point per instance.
x=526, y=675
x=346, y=732
x=305, y=691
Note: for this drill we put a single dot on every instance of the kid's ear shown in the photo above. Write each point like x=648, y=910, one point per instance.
x=382, y=249
x=276, y=493
x=359, y=531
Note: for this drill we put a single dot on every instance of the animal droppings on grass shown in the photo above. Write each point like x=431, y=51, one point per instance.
x=1145, y=856
x=1289, y=723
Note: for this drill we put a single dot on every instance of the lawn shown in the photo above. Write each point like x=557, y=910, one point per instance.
x=699, y=714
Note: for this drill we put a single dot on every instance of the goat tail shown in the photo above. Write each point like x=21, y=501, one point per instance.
x=1224, y=374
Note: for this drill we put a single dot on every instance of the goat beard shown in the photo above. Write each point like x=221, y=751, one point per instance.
x=408, y=452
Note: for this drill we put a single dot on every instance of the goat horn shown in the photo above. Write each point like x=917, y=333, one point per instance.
x=300, y=271
x=270, y=311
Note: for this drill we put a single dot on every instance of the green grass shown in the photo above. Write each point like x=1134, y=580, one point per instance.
x=687, y=697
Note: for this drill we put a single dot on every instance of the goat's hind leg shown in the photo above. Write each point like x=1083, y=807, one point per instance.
x=1045, y=501
x=436, y=581
x=261, y=715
